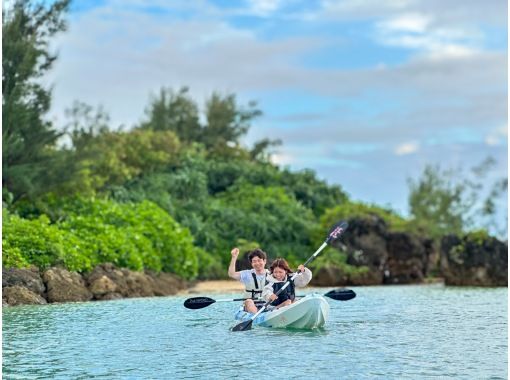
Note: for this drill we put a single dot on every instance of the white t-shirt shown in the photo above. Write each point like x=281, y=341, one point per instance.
x=246, y=278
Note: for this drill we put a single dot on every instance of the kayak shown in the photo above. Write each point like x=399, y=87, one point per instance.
x=310, y=312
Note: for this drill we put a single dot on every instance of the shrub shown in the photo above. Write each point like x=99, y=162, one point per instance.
x=92, y=231
x=37, y=242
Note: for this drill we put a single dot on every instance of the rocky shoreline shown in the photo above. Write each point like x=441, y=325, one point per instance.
x=378, y=255
x=389, y=257
x=105, y=282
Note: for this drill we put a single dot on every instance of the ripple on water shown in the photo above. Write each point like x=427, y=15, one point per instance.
x=385, y=332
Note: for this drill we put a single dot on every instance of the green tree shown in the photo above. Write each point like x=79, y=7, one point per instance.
x=107, y=159
x=227, y=122
x=261, y=150
x=437, y=202
x=315, y=194
x=267, y=215
x=176, y=112
x=28, y=140
x=451, y=201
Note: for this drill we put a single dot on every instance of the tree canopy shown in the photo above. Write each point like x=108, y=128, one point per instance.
x=28, y=139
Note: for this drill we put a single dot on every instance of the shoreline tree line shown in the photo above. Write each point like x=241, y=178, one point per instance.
x=177, y=191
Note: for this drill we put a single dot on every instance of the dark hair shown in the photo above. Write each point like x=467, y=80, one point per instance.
x=280, y=263
x=257, y=252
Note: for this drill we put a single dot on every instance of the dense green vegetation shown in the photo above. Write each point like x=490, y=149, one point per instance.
x=174, y=193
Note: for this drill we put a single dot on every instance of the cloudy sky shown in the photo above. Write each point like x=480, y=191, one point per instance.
x=365, y=92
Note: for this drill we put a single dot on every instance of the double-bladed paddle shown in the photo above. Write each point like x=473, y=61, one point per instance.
x=201, y=302
x=336, y=231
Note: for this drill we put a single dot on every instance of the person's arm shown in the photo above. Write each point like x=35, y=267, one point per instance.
x=303, y=278
x=283, y=304
x=232, y=267
x=268, y=293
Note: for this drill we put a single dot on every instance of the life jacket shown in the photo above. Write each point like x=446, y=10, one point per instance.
x=289, y=293
x=254, y=288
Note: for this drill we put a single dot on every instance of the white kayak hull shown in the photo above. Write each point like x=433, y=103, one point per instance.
x=309, y=312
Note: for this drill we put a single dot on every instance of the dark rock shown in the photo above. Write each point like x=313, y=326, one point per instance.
x=19, y=295
x=109, y=297
x=329, y=276
x=166, y=284
x=116, y=281
x=366, y=243
x=365, y=278
x=102, y=286
x=474, y=260
x=108, y=282
x=28, y=278
x=65, y=286
x=407, y=259
x=432, y=268
x=138, y=284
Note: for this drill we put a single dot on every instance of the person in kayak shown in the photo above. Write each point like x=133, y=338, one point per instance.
x=280, y=273
x=253, y=279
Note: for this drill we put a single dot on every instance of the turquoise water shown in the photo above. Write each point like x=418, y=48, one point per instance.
x=393, y=332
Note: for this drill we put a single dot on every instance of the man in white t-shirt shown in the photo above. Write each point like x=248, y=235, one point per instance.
x=254, y=279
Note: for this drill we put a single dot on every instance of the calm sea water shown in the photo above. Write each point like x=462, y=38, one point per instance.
x=393, y=332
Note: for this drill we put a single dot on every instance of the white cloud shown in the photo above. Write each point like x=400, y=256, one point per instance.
x=406, y=148
x=416, y=31
x=411, y=22
x=282, y=158
x=264, y=7
x=361, y=8
x=497, y=136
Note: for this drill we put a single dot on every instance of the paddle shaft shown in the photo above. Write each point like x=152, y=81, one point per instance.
x=235, y=299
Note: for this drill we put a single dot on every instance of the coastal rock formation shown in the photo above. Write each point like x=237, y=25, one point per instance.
x=474, y=260
x=334, y=276
x=105, y=282
x=366, y=244
x=65, y=286
x=166, y=284
x=20, y=295
x=378, y=256
x=27, y=278
x=109, y=282
x=407, y=259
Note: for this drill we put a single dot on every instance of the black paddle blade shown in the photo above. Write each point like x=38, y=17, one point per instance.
x=243, y=326
x=341, y=294
x=198, y=302
x=337, y=230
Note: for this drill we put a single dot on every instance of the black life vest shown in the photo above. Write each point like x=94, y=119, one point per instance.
x=289, y=293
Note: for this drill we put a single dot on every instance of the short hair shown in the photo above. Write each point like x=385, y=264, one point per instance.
x=257, y=252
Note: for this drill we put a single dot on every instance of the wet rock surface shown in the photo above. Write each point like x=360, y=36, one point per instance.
x=104, y=282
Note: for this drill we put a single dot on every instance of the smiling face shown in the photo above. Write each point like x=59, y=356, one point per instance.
x=279, y=273
x=258, y=264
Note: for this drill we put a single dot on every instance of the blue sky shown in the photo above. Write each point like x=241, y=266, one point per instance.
x=365, y=92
